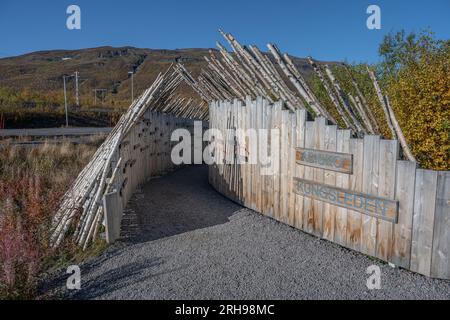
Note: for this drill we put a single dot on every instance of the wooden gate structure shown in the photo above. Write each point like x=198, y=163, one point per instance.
x=384, y=207
x=138, y=148
x=346, y=185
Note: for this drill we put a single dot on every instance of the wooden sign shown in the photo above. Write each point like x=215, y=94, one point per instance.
x=375, y=206
x=335, y=161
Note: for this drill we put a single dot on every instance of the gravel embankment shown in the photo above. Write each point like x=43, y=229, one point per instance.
x=182, y=240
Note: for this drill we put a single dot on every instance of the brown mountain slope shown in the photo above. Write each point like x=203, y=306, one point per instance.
x=40, y=73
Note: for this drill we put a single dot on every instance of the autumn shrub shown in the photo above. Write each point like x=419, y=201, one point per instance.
x=32, y=180
x=414, y=72
x=416, y=77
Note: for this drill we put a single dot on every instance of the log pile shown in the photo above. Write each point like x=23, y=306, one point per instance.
x=248, y=72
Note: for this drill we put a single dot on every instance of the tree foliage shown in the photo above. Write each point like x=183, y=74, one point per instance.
x=415, y=72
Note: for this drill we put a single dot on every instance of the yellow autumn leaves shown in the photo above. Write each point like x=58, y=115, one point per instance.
x=420, y=97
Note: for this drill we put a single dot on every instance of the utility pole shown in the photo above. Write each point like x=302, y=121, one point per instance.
x=132, y=85
x=77, y=97
x=65, y=101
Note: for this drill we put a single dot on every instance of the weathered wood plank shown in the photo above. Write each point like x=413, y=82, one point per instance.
x=342, y=181
x=259, y=192
x=112, y=207
x=386, y=188
x=291, y=163
x=370, y=186
x=440, y=263
x=319, y=142
x=276, y=124
x=284, y=195
x=308, y=214
x=354, y=218
x=401, y=246
x=299, y=173
x=423, y=221
x=329, y=179
x=250, y=146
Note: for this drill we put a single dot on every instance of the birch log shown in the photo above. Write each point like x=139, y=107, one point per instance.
x=409, y=155
x=342, y=99
x=330, y=93
x=382, y=102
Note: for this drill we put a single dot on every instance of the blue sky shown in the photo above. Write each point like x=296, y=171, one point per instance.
x=325, y=29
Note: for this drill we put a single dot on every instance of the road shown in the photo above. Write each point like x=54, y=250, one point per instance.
x=53, y=132
x=183, y=240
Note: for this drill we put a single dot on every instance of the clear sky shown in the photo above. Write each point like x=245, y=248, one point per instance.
x=325, y=29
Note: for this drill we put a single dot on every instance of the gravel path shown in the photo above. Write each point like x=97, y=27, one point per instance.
x=182, y=240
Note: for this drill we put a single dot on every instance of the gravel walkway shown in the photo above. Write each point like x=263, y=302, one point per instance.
x=182, y=240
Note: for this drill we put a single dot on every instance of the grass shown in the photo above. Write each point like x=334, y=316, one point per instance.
x=32, y=180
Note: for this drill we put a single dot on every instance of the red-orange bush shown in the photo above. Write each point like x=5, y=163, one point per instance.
x=31, y=183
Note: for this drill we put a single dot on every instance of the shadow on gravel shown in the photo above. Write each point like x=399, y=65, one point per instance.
x=128, y=275
x=176, y=203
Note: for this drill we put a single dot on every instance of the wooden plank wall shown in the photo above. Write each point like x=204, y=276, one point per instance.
x=419, y=241
x=145, y=152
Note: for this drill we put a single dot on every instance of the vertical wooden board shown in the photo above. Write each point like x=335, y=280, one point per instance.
x=423, y=221
x=240, y=146
x=227, y=146
x=370, y=186
x=319, y=144
x=225, y=121
x=113, y=216
x=264, y=178
x=152, y=144
x=237, y=174
x=292, y=165
x=276, y=144
x=354, y=218
x=299, y=169
x=254, y=166
x=342, y=181
x=159, y=141
x=132, y=167
x=259, y=116
x=250, y=146
x=329, y=179
x=284, y=167
x=308, y=214
x=274, y=158
x=234, y=177
x=230, y=149
x=386, y=188
x=241, y=152
x=404, y=193
x=211, y=126
x=220, y=145
x=440, y=263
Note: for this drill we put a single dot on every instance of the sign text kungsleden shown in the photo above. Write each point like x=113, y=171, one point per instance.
x=379, y=207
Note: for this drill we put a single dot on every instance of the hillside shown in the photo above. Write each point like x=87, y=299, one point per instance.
x=103, y=67
x=31, y=85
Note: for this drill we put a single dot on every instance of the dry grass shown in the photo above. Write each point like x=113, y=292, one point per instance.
x=32, y=180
